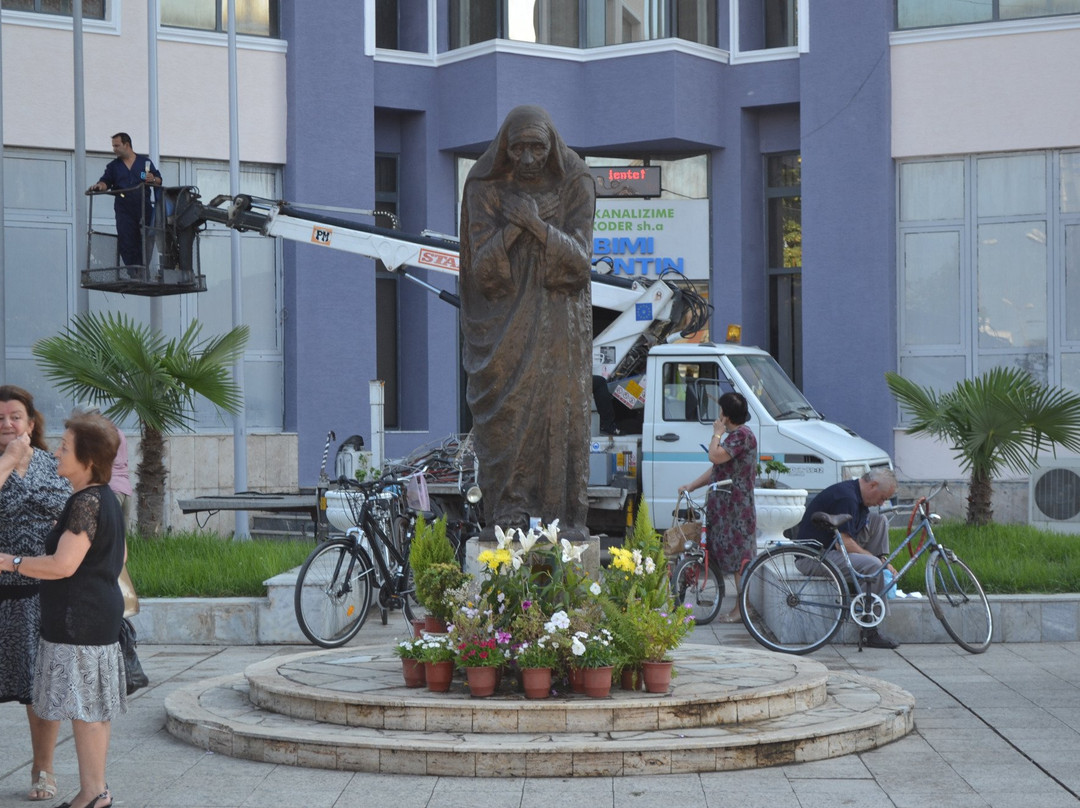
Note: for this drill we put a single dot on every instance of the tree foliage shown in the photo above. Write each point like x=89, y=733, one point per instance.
x=998, y=421
x=128, y=369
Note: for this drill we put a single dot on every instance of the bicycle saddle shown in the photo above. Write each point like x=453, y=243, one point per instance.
x=833, y=520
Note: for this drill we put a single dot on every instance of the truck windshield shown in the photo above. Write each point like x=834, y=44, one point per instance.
x=777, y=393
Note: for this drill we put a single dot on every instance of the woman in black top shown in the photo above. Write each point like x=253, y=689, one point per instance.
x=79, y=673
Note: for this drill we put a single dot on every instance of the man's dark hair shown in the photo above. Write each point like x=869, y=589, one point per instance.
x=125, y=138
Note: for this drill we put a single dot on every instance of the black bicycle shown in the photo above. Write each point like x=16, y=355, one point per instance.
x=344, y=575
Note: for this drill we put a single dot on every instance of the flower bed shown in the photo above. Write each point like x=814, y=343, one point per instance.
x=535, y=607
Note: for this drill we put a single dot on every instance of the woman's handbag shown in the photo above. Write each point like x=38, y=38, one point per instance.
x=685, y=528
x=127, y=588
x=135, y=675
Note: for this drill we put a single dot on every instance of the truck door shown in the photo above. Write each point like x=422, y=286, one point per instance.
x=674, y=441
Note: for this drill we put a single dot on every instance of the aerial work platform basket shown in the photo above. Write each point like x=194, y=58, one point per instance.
x=168, y=254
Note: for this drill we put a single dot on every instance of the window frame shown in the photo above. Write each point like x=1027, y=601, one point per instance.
x=1050, y=361
x=221, y=28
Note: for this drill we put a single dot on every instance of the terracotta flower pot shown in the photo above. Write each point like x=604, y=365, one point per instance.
x=577, y=679
x=418, y=627
x=434, y=625
x=439, y=675
x=631, y=678
x=413, y=671
x=482, y=680
x=598, y=682
x=536, y=682
x=657, y=676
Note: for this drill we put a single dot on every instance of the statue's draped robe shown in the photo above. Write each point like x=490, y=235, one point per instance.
x=527, y=325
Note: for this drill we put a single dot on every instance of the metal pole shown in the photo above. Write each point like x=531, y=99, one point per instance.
x=3, y=336
x=154, y=146
x=378, y=431
x=82, y=297
x=242, y=530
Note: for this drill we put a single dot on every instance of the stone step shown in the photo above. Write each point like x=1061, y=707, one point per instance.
x=856, y=713
x=363, y=687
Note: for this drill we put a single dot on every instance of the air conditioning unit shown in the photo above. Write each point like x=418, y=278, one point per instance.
x=1054, y=498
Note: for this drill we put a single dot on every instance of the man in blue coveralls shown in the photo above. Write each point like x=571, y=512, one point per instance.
x=127, y=173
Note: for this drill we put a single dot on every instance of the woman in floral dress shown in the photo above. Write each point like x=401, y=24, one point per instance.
x=32, y=496
x=730, y=514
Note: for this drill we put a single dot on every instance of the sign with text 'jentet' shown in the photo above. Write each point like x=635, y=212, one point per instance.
x=645, y=237
x=626, y=181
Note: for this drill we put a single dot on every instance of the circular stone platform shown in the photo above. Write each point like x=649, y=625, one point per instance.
x=728, y=709
x=364, y=688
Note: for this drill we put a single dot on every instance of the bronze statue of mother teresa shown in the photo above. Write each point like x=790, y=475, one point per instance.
x=526, y=245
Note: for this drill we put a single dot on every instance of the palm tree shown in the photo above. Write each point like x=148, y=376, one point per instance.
x=1002, y=419
x=109, y=359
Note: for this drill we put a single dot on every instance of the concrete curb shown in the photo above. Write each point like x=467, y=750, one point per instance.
x=271, y=621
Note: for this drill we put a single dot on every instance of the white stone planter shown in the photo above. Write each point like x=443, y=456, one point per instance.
x=777, y=509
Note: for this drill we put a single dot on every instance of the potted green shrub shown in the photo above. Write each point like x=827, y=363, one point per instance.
x=433, y=583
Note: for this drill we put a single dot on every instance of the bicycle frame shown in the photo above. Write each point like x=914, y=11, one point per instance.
x=925, y=522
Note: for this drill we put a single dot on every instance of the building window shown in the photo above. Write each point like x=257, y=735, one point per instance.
x=387, y=363
x=91, y=9
x=995, y=238
x=39, y=218
x=581, y=23
x=781, y=23
x=783, y=234
x=253, y=17
x=386, y=24
x=932, y=13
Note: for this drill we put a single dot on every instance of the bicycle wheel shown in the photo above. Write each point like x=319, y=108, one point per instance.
x=411, y=607
x=792, y=600
x=958, y=601
x=702, y=589
x=333, y=593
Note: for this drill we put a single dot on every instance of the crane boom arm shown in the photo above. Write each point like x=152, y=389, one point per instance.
x=630, y=315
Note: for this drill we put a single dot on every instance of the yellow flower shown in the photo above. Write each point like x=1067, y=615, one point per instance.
x=622, y=559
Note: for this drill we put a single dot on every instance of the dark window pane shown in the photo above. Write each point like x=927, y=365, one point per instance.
x=386, y=24
x=696, y=21
x=92, y=9
x=785, y=324
x=780, y=23
x=784, y=171
x=473, y=21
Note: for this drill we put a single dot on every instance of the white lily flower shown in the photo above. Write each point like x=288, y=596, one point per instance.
x=571, y=552
x=527, y=540
x=501, y=538
x=517, y=557
x=552, y=532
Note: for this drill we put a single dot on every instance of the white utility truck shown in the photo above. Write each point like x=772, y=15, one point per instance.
x=665, y=392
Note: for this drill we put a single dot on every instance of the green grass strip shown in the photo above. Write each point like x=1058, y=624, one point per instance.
x=204, y=565
x=1007, y=559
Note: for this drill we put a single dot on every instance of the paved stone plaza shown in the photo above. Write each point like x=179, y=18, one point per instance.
x=1000, y=729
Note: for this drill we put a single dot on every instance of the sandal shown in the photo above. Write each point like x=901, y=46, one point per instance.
x=44, y=788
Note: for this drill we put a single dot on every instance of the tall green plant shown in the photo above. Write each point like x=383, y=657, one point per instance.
x=127, y=368
x=1000, y=420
